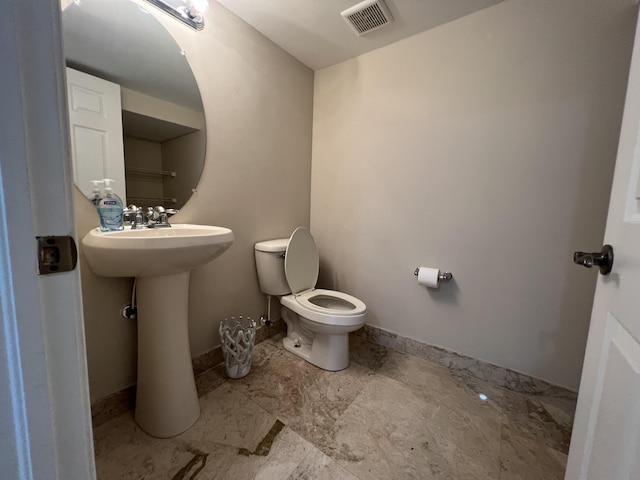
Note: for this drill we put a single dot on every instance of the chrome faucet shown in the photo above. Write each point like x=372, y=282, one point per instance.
x=133, y=216
x=152, y=217
x=159, y=217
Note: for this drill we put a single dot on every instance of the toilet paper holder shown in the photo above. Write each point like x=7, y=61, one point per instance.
x=443, y=277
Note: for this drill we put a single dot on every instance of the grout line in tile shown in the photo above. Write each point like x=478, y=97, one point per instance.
x=301, y=461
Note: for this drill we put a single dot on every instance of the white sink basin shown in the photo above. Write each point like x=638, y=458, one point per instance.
x=154, y=251
x=162, y=260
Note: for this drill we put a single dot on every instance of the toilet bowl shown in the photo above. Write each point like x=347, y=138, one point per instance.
x=318, y=321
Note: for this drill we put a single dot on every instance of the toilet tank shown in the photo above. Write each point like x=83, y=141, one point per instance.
x=270, y=266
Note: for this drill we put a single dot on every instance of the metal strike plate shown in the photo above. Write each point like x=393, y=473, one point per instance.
x=56, y=254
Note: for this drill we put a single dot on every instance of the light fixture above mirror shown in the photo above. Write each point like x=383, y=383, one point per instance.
x=190, y=12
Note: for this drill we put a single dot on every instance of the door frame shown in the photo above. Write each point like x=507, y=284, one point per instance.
x=45, y=427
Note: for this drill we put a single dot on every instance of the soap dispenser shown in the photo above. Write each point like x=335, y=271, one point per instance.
x=110, y=209
x=96, y=193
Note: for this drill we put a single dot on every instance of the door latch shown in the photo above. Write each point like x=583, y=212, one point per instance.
x=602, y=259
x=56, y=254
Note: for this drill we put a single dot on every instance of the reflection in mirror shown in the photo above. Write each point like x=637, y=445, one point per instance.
x=117, y=45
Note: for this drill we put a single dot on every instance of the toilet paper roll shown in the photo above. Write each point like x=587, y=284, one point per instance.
x=429, y=277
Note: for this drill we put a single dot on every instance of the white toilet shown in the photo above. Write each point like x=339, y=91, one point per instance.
x=318, y=321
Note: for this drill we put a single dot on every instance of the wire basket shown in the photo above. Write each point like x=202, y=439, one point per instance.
x=237, y=336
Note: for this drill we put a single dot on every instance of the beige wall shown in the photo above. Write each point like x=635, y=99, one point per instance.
x=486, y=147
x=256, y=181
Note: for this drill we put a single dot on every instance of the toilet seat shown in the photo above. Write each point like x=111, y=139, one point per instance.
x=324, y=316
x=301, y=267
x=337, y=303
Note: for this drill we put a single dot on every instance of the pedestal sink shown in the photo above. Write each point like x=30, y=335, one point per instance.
x=161, y=260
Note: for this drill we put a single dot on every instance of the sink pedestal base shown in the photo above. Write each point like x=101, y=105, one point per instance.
x=166, y=396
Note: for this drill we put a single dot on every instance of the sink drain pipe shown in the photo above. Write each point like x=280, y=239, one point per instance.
x=131, y=311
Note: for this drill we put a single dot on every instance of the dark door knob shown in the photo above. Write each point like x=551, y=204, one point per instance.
x=602, y=259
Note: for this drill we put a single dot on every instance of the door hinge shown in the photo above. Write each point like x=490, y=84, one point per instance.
x=56, y=254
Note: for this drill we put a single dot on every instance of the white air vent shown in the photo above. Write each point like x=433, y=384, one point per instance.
x=367, y=16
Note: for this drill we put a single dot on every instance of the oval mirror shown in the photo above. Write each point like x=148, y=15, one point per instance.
x=135, y=110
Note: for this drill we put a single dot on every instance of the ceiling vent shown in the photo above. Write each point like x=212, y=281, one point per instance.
x=367, y=16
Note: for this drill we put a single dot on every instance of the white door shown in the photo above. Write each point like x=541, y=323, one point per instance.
x=95, y=122
x=45, y=420
x=606, y=436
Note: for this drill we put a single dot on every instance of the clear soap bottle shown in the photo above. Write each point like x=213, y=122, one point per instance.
x=110, y=209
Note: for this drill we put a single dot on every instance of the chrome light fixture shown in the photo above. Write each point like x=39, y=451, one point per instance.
x=189, y=12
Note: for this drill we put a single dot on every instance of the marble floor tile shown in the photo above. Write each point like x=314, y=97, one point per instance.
x=442, y=385
x=390, y=415
x=391, y=431
x=463, y=365
x=545, y=419
x=209, y=380
x=228, y=418
x=317, y=466
x=525, y=459
x=306, y=398
x=124, y=451
x=277, y=380
x=277, y=460
x=367, y=354
x=233, y=438
x=276, y=340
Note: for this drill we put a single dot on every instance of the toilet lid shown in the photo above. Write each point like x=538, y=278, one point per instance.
x=301, y=263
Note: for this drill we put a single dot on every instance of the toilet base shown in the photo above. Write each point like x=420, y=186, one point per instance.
x=327, y=351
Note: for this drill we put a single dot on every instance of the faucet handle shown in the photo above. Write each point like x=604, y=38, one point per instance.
x=129, y=214
x=160, y=216
x=158, y=212
x=135, y=216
